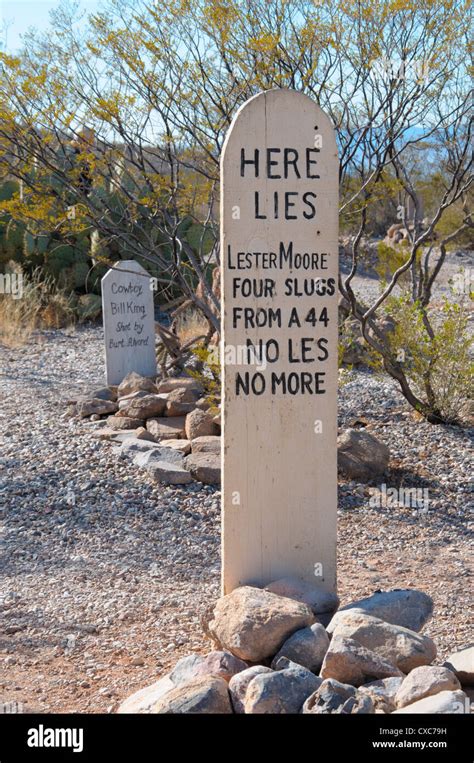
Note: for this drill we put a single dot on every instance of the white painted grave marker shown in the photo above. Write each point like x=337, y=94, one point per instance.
x=129, y=321
x=279, y=253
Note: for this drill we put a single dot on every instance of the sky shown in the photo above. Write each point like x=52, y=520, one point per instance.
x=17, y=16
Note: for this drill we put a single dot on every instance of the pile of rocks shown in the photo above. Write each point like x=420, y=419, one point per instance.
x=164, y=427
x=284, y=649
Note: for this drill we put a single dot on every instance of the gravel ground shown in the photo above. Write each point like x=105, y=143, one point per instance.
x=105, y=574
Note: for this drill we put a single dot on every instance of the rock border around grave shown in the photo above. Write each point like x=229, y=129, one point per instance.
x=157, y=413
x=270, y=656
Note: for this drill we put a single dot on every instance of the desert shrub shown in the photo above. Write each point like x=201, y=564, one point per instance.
x=389, y=259
x=191, y=325
x=434, y=348
x=208, y=374
x=41, y=304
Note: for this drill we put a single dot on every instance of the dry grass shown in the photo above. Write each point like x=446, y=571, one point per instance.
x=191, y=325
x=41, y=305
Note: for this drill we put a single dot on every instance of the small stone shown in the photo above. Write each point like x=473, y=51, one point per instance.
x=349, y=662
x=239, y=682
x=167, y=428
x=205, y=467
x=207, y=444
x=360, y=704
x=137, y=661
x=306, y=647
x=133, y=382
x=103, y=393
x=282, y=692
x=131, y=447
x=124, y=422
x=143, y=434
x=199, y=424
x=183, y=446
x=406, y=607
x=444, y=702
x=169, y=473
x=328, y=698
x=106, y=433
x=181, y=401
x=253, y=624
x=318, y=601
x=462, y=664
x=125, y=401
x=168, y=385
x=203, y=695
x=86, y=408
x=145, y=407
x=423, y=682
x=360, y=455
x=383, y=693
x=154, y=455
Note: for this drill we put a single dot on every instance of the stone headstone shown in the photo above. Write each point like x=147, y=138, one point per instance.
x=129, y=321
x=279, y=252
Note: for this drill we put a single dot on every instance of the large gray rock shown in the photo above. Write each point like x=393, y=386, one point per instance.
x=280, y=692
x=360, y=455
x=168, y=385
x=253, y=624
x=202, y=695
x=350, y=663
x=406, y=607
x=462, y=664
x=401, y=646
x=95, y=406
x=132, y=446
x=200, y=424
x=133, y=382
x=445, y=702
x=216, y=663
x=306, y=647
x=328, y=698
x=142, y=701
x=181, y=401
x=147, y=458
x=318, y=601
x=423, y=682
x=167, y=428
x=144, y=407
x=205, y=467
x=239, y=682
x=102, y=393
x=169, y=473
